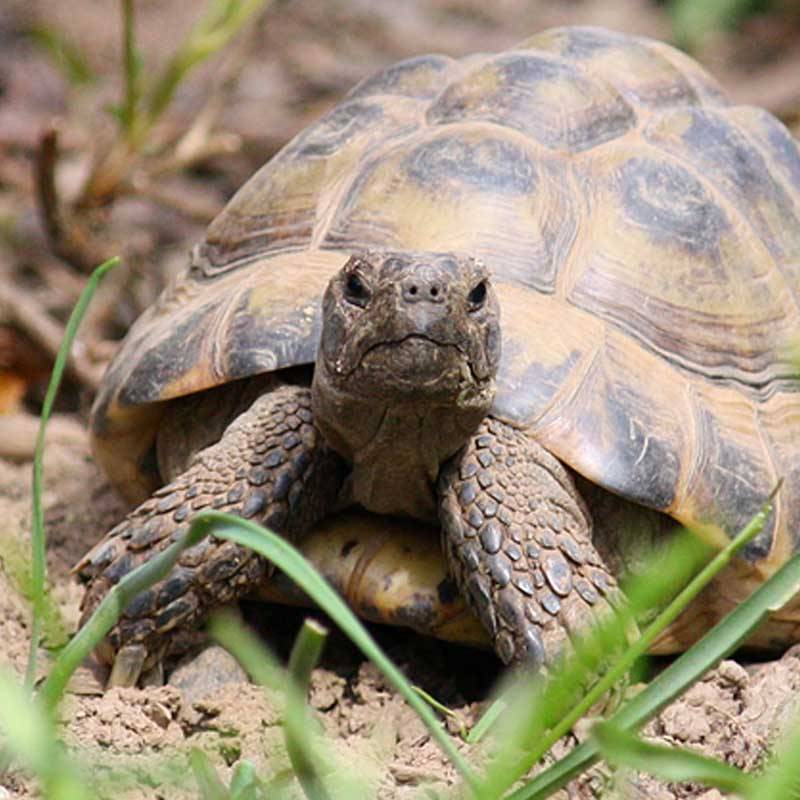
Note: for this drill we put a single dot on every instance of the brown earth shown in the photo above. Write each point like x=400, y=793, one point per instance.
x=303, y=56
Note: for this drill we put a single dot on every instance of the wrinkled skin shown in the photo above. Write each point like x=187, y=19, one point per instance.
x=405, y=373
x=396, y=421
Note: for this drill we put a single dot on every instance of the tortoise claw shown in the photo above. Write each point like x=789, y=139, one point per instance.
x=128, y=665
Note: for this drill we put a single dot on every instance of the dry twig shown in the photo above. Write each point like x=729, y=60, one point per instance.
x=18, y=309
x=18, y=434
x=67, y=238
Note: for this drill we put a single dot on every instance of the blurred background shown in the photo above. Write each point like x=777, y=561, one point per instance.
x=125, y=126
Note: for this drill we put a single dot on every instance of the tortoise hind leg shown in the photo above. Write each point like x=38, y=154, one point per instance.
x=517, y=537
x=270, y=466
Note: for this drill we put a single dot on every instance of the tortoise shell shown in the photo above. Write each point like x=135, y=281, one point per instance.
x=644, y=238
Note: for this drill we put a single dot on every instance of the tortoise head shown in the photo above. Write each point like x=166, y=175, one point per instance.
x=417, y=329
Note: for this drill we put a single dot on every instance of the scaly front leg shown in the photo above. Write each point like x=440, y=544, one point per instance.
x=517, y=537
x=270, y=466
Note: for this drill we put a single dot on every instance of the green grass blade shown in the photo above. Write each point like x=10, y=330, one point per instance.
x=720, y=641
x=256, y=659
x=65, y=54
x=38, y=561
x=290, y=561
x=669, y=763
x=686, y=555
x=673, y=610
x=15, y=557
x=287, y=559
x=487, y=721
x=306, y=755
x=261, y=665
x=208, y=782
x=444, y=711
x=245, y=784
x=222, y=20
x=781, y=779
x=132, y=70
x=30, y=738
x=299, y=744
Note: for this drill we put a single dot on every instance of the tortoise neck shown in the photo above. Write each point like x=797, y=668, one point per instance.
x=395, y=446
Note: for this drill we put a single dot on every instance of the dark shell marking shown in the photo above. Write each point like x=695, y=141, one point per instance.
x=546, y=99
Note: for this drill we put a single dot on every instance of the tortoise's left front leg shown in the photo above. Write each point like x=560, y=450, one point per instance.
x=517, y=537
x=270, y=466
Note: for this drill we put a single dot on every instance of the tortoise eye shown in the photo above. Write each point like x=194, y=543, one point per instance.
x=355, y=291
x=477, y=297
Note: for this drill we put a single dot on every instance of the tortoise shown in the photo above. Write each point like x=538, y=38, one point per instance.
x=512, y=304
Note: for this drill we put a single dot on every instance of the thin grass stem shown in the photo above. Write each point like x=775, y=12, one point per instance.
x=299, y=744
x=38, y=543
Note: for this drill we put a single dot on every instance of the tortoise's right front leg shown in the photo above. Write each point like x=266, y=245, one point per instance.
x=518, y=539
x=270, y=466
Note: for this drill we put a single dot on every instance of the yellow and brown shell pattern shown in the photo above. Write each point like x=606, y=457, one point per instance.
x=644, y=238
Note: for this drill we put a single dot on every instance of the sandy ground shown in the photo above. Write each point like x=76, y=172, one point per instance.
x=300, y=59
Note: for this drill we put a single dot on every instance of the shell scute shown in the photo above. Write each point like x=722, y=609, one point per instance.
x=335, y=130
x=256, y=341
x=282, y=205
x=775, y=140
x=733, y=473
x=580, y=43
x=666, y=200
x=707, y=90
x=179, y=351
x=641, y=456
x=419, y=77
x=542, y=97
x=613, y=410
x=719, y=146
x=465, y=189
x=779, y=421
x=645, y=73
x=487, y=164
x=710, y=298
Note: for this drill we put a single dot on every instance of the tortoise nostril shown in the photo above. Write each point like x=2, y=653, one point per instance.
x=422, y=290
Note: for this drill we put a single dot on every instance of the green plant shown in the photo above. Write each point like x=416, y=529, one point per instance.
x=138, y=148
x=38, y=560
x=69, y=59
x=693, y=20
x=148, y=96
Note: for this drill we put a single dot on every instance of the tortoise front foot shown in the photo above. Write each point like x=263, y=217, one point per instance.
x=268, y=466
x=517, y=537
